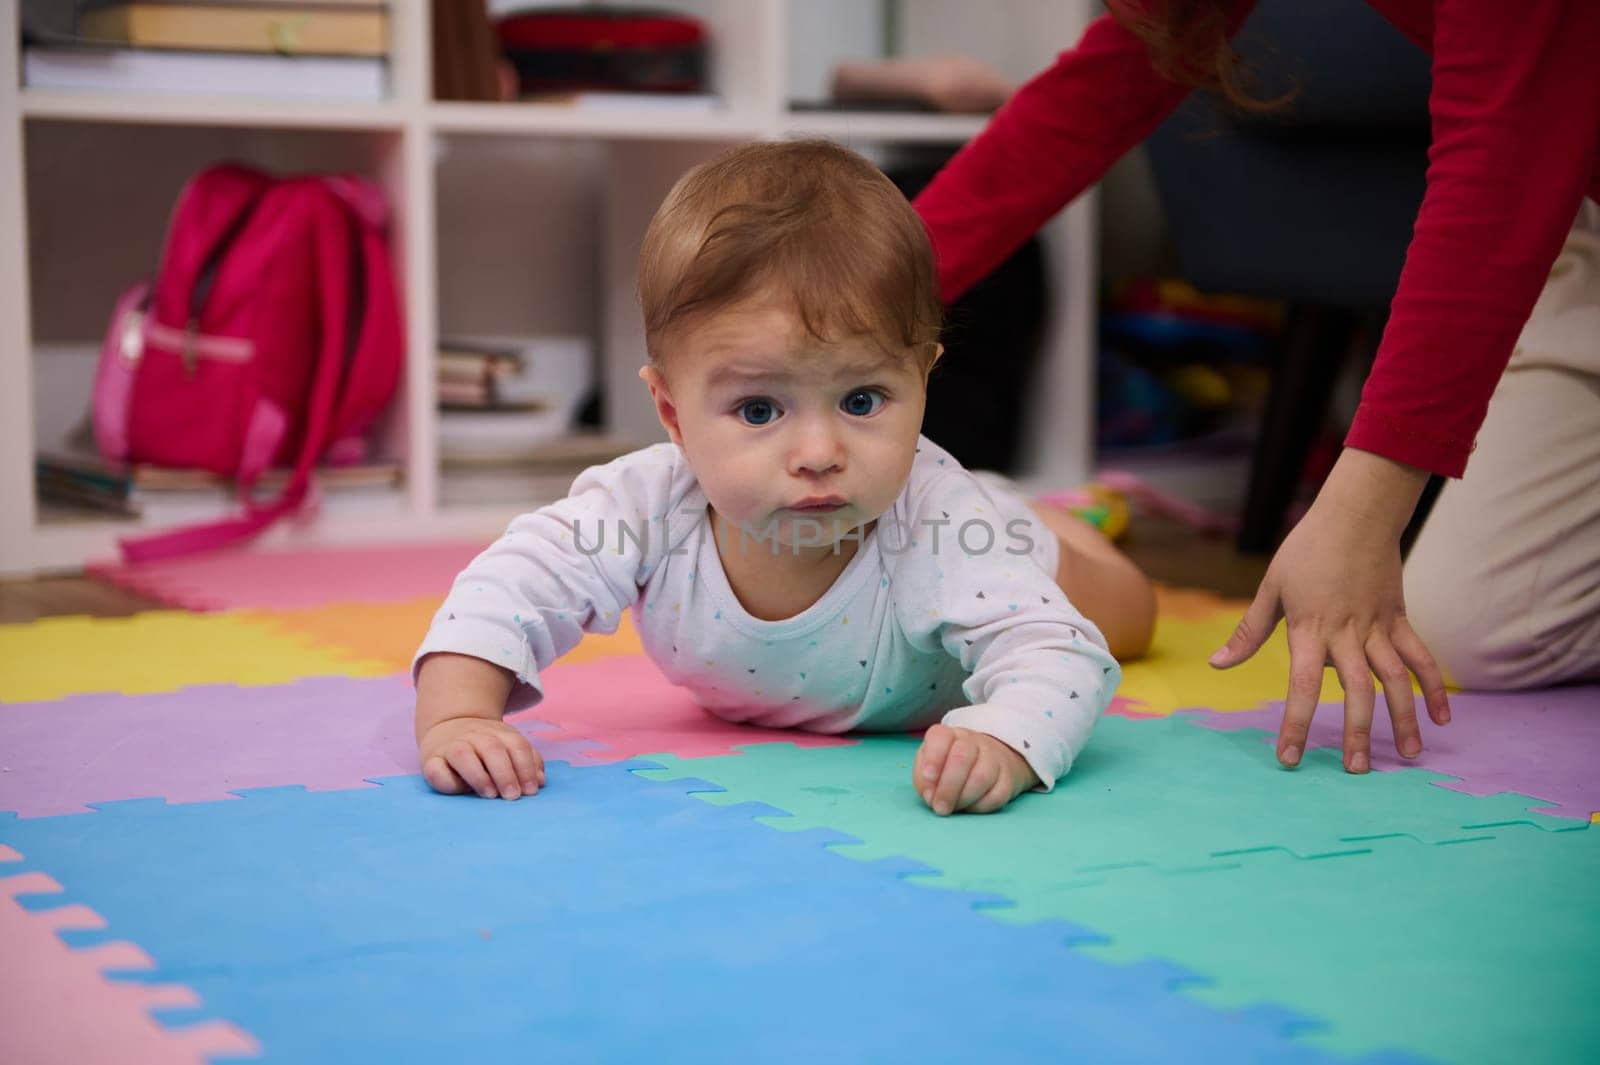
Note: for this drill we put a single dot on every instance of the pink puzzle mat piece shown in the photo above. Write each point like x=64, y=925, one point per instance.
x=200, y=743
x=1122, y=707
x=627, y=705
x=56, y=1004
x=1540, y=743
x=288, y=580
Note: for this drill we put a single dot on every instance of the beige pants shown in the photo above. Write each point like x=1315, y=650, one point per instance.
x=1503, y=584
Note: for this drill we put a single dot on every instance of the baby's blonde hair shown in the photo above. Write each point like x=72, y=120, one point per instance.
x=808, y=220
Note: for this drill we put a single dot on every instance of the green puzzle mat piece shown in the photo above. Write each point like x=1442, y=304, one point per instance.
x=1160, y=792
x=1154, y=798
x=1484, y=951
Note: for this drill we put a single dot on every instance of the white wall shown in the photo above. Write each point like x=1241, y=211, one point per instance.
x=823, y=32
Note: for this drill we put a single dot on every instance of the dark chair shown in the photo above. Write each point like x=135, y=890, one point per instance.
x=1312, y=204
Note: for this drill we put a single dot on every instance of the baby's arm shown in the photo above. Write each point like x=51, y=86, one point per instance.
x=461, y=741
x=560, y=571
x=1038, y=672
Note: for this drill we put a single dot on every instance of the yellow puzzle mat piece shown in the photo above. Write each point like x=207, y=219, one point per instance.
x=160, y=651
x=1190, y=625
x=390, y=632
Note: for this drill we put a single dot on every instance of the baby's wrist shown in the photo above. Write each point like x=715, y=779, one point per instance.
x=1022, y=770
x=452, y=686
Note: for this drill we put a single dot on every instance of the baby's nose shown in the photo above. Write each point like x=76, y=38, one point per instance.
x=817, y=449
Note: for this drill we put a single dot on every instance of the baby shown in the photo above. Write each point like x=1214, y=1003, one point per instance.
x=798, y=556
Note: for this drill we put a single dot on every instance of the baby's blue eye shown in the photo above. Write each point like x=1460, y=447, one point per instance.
x=758, y=411
x=862, y=402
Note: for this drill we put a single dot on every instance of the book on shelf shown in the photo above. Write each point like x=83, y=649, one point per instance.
x=113, y=71
x=461, y=364
x=500, y=397
x=484, y=396
x=467, y=64
x=467, y=394
x=290, y=29
x=86, y=479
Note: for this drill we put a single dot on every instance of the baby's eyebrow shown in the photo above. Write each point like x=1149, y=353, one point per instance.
x=730, y=373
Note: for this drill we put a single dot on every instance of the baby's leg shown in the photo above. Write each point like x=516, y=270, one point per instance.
x=1102, y=582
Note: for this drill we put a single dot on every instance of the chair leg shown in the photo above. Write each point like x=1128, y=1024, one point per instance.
x=1317, y=344
x=1419, y=517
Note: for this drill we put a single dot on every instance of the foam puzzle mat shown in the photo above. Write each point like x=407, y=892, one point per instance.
x=215, y=846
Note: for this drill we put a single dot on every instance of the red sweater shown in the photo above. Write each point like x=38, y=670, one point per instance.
x=1515, y=110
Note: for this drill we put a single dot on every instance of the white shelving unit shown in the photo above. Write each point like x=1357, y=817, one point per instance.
x=86, y=182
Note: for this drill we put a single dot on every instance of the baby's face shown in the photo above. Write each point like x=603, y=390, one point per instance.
x=787, y=433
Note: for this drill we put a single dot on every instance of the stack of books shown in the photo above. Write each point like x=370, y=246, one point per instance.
x=80, y=479
x=290, y=49
x=501, y=396
x=476, y=379
x=508, y=418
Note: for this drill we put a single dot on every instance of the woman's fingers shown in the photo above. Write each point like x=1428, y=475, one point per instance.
x=1259, y=620
x=1396, y=681
x=1307, y=655
x=1420, y=661
x=1350, y=660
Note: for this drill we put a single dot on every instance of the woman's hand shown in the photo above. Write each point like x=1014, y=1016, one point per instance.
x=1336, y=580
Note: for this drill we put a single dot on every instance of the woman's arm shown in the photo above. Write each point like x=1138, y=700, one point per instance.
x=1516, y=130
x=1516, y=127
x=1053, y=139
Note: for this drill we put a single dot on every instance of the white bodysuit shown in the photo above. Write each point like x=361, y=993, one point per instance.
x=948, y=611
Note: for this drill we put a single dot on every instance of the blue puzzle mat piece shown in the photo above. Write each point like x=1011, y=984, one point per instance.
x=609, y=918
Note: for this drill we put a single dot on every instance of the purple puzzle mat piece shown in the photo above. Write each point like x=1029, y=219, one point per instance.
x=1540, y=743
x=202, y=743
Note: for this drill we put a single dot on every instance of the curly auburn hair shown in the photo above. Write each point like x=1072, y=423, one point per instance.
x=1188, y=43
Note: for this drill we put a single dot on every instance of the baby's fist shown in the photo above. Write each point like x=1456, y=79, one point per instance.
x=959, y=769
x=478, y=754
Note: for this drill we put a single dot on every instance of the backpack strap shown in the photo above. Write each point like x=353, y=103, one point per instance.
x=214, y=205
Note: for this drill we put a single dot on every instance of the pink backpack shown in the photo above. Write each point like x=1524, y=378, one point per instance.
x=270, y=336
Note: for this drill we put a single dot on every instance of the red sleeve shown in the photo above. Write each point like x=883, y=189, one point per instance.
x=1516, y=130
x=1054, y=138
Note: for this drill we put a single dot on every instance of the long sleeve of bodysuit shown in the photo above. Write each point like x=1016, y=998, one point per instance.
x=562, y=570
x=965, y=577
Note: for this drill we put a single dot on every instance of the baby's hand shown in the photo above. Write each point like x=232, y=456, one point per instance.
x=478, y=754
x=959, y=769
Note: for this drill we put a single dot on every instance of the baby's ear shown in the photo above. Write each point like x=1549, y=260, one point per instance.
x=938, y=353
x=666, y=410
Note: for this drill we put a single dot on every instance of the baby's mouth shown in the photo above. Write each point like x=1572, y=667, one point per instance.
x=817, y=505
